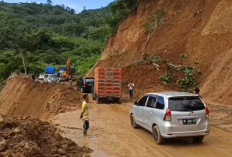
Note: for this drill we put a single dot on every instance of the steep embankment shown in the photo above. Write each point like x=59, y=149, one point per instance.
x=23, y=97
x=200, y=29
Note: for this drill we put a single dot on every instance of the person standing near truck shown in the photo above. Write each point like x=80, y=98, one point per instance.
x=85, y=114
x=131, y=89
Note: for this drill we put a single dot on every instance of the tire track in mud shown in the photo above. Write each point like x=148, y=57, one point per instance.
x=219, y=143
x=110, y=134
x=136, y=143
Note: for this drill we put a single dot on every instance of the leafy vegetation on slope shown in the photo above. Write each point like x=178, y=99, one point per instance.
x=33, y=36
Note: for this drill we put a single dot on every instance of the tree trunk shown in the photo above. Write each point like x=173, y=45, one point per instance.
x=24, y=63
x=151, y=33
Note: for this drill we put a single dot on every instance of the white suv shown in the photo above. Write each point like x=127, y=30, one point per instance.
x=171, y=115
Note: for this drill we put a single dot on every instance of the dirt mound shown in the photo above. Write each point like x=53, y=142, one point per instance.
x=200, y=29
x=33, y=138
x=24, y=97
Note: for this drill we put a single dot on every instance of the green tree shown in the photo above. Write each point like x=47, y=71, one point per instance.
x=49, y=2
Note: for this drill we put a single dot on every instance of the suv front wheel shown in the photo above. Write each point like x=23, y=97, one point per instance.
x=133, y=122
x=156, y=135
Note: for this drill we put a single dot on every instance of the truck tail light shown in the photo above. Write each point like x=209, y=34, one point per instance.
x=168, y=115
x=85, y=84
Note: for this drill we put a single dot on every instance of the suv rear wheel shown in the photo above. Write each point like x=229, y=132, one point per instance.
x=198, y=139
x=133, y=122
x=156, y=135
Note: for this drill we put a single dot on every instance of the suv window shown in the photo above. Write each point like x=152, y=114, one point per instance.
x=160, y=103
x=151, y=102
x=89, y=80
x=185, y=104
x=142, y=101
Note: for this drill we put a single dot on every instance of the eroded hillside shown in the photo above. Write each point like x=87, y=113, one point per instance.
x=199, y=29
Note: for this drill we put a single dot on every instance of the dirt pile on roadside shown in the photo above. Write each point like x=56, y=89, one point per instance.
x=33, y=138
x=24, y=97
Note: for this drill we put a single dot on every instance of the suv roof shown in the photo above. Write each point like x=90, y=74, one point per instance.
x=173, y=94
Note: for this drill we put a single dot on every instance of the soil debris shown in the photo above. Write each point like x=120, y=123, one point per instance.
x=28, y=137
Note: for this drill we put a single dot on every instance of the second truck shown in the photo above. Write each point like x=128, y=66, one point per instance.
x=107, y=85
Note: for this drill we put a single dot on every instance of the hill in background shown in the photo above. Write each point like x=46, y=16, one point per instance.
x=50, y=35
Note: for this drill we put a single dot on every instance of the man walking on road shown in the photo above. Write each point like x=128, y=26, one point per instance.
x=85, y=114
x=131, y=89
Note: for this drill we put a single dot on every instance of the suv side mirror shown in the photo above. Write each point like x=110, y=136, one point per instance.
x=136, y=103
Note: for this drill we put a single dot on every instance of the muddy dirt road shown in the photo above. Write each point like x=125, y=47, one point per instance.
x=110, y=134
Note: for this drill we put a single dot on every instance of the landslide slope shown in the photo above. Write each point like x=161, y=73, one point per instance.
x=200, y=29
x=24, y=97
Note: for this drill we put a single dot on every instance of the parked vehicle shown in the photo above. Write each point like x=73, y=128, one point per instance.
x=62, y=70
x=50, y=70
x=172, y=115
x=69, y=73
x=41, y=76
x=86, y=85
x=51, y=78
x=107, y=85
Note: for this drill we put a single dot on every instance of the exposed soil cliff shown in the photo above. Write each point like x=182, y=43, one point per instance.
x=200, y=29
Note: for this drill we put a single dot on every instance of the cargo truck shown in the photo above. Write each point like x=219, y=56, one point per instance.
x=107, y=85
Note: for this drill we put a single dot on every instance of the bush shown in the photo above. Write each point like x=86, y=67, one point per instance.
x=155, y=21
x=166, y=79
x=184, y=56
x=120, y=9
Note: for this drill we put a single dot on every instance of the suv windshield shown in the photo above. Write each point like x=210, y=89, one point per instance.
x=185, y=104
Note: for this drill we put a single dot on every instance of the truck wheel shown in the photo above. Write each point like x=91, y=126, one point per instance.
x=198, y=139
x=156, y=135
x=119, y=101
x=93, y=97
x=133, y=122
x=98, y=100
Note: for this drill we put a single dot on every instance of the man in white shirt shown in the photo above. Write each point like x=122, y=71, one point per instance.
x=131, y=89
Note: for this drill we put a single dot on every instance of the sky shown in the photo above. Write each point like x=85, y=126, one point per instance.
x=78, y=5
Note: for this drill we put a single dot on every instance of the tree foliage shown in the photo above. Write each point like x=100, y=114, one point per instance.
x=33, y=36
x=120, y=9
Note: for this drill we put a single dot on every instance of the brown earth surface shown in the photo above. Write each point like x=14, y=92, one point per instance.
x=110, y=132
x=24, y=97
x=27, y=137
x=111, y=135
x=200, y=29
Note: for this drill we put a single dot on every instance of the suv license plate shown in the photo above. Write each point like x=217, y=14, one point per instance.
x=189, y=121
